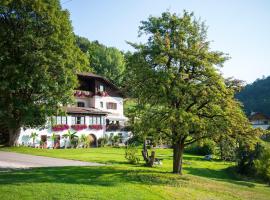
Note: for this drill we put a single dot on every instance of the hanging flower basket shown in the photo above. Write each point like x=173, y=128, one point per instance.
x=95, y=127
x=78, y=127
x=60, y=127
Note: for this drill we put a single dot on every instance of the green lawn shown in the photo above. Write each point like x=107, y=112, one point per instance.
x=119, y=180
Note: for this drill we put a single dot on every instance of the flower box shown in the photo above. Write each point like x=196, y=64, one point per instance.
x=79, y=93
x=60, y=127
x=96, y=127
x=102, y=94
x=78, y=127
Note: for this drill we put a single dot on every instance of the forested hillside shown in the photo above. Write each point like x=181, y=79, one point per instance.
x=256, y=96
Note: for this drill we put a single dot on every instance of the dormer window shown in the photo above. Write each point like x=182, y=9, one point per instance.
x=101, y=88
x=80, y=104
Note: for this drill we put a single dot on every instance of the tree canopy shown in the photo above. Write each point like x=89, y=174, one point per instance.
x=180, y=91
x=105, y=61
x=39, y=62
x=256, y=96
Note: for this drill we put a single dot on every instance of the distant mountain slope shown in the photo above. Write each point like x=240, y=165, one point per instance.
x=256, y=96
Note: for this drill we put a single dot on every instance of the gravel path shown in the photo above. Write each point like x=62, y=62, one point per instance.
x=17, y=160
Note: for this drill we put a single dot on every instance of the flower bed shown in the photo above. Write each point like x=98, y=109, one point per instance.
x=78, y=127
x=96, y=127
x=60, y=127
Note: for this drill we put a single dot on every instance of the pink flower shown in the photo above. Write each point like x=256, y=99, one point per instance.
x=78, y=127
x=60, y=127
x=96, y=127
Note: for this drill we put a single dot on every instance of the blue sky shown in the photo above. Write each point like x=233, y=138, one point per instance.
x=240, y=28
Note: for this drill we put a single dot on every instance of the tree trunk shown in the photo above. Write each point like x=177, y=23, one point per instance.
x=14, y=134
x=178, y=150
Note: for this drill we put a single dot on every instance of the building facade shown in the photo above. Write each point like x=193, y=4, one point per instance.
x=259, y=120
x=97, y=112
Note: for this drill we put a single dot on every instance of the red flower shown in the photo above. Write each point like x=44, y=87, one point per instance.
x=78, y=127
x=96, y=127
x=60, y=127
x=102, y=94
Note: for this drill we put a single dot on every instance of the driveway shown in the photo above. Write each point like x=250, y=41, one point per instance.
x=18, y=160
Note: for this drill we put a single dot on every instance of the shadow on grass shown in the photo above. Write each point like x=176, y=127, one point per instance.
x=110, y=176
x=226, y=175
x=102, y=176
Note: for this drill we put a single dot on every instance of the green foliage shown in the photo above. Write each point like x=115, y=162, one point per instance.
x=39, y=61
x=83, y=43
x=227, y=148
x=180, y=93
x=105, y=61
x=72, y=137
x=83, y=141
x=103, y=141
x=262, y=165
x=33, y=136
x=131, y=154
x=256, y=96
x=245, y=157
x=205, y=148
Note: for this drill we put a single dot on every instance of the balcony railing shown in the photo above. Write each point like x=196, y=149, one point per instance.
x=116, y=127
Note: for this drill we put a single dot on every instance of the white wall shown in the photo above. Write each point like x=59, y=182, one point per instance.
x=26, y=140
x=265, y=126
x=118, y=100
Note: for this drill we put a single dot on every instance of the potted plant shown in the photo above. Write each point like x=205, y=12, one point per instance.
x=33, y=136
x=72, y=137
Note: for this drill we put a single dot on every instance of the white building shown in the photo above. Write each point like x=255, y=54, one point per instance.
x=98, y=112
x=259, y=120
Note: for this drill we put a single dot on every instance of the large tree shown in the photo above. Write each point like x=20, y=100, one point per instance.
x=181, y=94
x=38, y=62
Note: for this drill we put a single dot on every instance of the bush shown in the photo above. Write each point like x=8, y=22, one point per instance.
x=245, y=157
x=131, y=154
x=208, y=147
x=103, y=141
x=135, y=140
x=262, y=165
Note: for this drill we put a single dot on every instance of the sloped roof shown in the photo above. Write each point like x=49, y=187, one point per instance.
x=92, y=75
x=258, y=116
x=84, y=110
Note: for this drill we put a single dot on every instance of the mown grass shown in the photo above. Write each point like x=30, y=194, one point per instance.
x=119, y=180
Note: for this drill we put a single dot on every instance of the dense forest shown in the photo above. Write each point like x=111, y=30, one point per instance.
x=256, y=96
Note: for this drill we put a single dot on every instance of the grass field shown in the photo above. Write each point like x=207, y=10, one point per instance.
x=119, y=180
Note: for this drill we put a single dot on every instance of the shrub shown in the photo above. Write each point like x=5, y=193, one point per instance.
x=262, y=165
x=206, y=148
x=245, y=157
x=103, y=141
x=131, y=154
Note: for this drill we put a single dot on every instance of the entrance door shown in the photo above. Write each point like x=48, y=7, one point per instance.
x=92, y=140
x=57, y=142
x=43, y=143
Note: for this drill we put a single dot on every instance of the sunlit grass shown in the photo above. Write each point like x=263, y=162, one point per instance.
x=119, y=180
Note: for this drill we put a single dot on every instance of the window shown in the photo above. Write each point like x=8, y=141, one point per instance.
x=111, y=105
x=59, y=120
x=80, y=104
x=78, y=120
x=101, y=104
x=101, y=88
x=95, y=120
